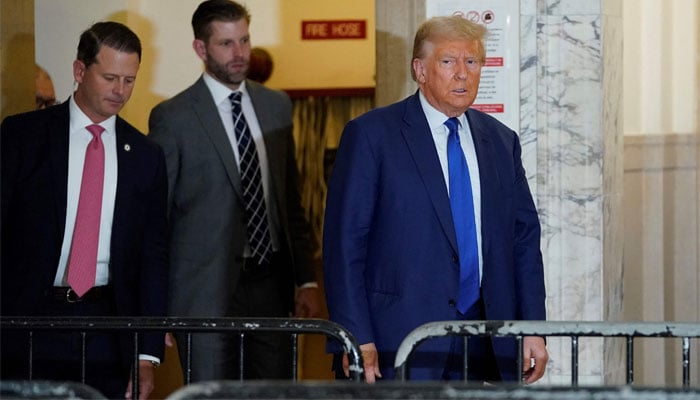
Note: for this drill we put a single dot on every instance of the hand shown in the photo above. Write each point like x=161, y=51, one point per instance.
x=306, y=304
x=370, y=358
x=169, y=341
x=146, y=380
x=534, y=350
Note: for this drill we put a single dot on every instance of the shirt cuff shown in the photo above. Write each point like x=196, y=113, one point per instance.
x=146, y=357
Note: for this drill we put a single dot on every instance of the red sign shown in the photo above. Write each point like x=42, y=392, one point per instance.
x=335, y=29
x=494, y=62
x=489, y=108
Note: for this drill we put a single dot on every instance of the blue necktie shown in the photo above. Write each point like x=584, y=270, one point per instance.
x=462, y=204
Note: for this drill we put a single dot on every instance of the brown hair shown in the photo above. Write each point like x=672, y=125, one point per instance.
x=111, y=34
x=216, y=10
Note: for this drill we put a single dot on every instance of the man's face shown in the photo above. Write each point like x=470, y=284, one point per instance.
x=226, y=54
x=45, y=94
x=449, y=74
x=105, y=86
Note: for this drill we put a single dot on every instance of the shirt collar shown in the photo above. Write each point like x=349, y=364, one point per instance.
x=436, y=119
x=219, y=91
x=78, y=119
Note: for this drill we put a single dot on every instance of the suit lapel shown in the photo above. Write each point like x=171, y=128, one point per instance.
x=422, y=147
x=488, y=175
x=274, y=141
x=209, y=117
x=57, y=129
x=125, y=174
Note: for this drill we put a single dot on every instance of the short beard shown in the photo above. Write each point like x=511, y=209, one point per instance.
x=219, y=71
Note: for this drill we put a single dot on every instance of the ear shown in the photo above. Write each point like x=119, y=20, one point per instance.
x=78, y=71
x=418, y=70
x=200, y=48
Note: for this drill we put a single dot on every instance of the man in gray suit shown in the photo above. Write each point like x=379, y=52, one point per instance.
x=239, y=239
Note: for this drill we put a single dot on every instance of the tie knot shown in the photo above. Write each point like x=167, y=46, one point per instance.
x=452, y=124
x=95, y=130
x=235, y=98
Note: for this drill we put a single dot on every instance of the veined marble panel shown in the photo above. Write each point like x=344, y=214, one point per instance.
x=528, y=7
x=569, y=7
x=570, y=154
x=613, y=184
x=569, y=110
x=528, y=98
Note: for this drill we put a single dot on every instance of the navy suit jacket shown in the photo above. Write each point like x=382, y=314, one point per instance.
x=389, y=247
x=34, y=186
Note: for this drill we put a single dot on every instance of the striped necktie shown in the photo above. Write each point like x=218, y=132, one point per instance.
x=251, y=180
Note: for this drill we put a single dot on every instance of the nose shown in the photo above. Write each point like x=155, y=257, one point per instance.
x=118, y=87
x=237, y=50
x=460, y=71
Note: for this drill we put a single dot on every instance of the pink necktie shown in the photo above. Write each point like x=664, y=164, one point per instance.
x=82, y=263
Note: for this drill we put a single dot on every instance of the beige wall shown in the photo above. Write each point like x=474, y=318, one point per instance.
x=661, y=259
x=661, y=179
x=17, y=49
x=661, y=86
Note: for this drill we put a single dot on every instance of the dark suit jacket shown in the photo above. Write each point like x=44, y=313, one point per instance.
x=207, y=219
x=34, y=184
x=207, y=222
x=389, y=245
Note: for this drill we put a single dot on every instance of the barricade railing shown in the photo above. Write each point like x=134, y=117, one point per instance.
x=47, y=390
x=139, y=325
x=518, y=329
x=395, y=390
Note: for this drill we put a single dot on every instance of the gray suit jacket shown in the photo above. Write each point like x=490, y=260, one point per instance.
x=206, y=215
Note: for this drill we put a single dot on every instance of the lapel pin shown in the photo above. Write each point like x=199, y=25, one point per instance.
x=127, y=147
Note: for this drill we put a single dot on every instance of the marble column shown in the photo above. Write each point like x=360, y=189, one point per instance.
x=570, y=129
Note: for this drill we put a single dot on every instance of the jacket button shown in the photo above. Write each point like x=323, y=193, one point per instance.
x=452, y=303
x=455, y=258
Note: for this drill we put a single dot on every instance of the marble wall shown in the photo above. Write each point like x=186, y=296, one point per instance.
x=571, y=135
x=576, y=134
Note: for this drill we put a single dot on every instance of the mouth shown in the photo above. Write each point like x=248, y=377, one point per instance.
x=115, y=102
x=238, y=65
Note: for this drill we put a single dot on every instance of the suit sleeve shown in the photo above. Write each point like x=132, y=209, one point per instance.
x=154, y=271
x=159, y=131
x=349, y=210
x=529, y=269
x=300, y=230
x=9, y=160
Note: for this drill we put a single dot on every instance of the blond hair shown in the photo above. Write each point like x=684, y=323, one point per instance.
x=451, y=28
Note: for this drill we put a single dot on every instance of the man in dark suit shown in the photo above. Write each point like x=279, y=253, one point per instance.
x=47, y=239
x=397, y=249
x=230, y=256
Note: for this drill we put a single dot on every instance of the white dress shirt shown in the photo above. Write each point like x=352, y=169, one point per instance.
x=79, y=137
x=439, y=131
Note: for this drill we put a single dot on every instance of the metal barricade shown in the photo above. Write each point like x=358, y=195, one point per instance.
x=574, y=330
x=394, y=390
x=48, y=390
x=190, y=326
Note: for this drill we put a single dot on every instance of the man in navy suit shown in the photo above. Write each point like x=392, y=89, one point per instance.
x=43, y=161
x=391, y=255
